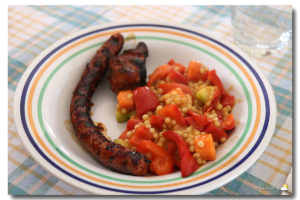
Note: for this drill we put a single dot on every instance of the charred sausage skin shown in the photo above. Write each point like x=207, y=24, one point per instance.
x=110, y=154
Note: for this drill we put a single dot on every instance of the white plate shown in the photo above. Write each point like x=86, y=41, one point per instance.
x=43, y=96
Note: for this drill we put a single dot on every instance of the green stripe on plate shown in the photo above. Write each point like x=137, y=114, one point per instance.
x=40, y=101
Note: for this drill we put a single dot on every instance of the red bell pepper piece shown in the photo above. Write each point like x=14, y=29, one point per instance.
x=213, y=77
x=227, y=100
x=219, y=115
x=173, y=112
x=157, y=121
x=228, y=123
x=196, y=71
x=216, y=132
x=218, y=112
x=159, y=73
x=145, y=100
x=177, y=77
x=188, y=164
x=161, y=161
x=195, y=120
x=181, y=68
x=167, y=87
x=172, y=150
x=141, y=133
x=171, y=62
x=189, y=121
x=132, y=122
x=124, y=135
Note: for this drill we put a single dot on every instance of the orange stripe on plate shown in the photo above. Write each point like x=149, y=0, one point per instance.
x=52, y=60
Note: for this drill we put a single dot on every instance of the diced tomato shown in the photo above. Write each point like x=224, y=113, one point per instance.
x=227, y=100
x=125, y=99
x=162, y=165
x=141, y=133
x=189, y=121
x=213, y=106
x=124, y=135
x=228, y=123
x=181, y=68
x=204, y=145
x=145, y=100
x=132, y=122
x=216, y=132
x=173, y=112
x=197, y=121
x=176, y=77
x=187, y=164
x=157, y=121
x=161, y=161
x=171, y=62
x=159, y=73
x=206, y=113
x=219, y=114
x=167, y=87
x=213, y=77
x=197, y=71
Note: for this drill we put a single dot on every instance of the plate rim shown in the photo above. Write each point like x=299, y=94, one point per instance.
x=52, y=71
x=264, y=80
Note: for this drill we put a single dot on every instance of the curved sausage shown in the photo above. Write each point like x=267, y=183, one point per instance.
x=110, y=154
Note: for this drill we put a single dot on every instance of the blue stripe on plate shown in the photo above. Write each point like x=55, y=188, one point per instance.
x=30, y=77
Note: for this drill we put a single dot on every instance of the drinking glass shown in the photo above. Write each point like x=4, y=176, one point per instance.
x=261, y=30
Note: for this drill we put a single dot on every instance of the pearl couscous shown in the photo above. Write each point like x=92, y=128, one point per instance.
x=180, y=108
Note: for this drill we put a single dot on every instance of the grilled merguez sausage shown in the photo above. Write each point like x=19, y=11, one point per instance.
x=110, y=154
x=128, y=71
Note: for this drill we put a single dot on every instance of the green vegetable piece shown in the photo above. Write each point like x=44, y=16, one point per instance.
x=121, y=117
x=121, y=142
x=205, y=94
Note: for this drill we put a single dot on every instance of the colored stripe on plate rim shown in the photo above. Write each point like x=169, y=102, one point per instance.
x=97, y=179
x=24, y=92
x=135, y=186
x=55, y=147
